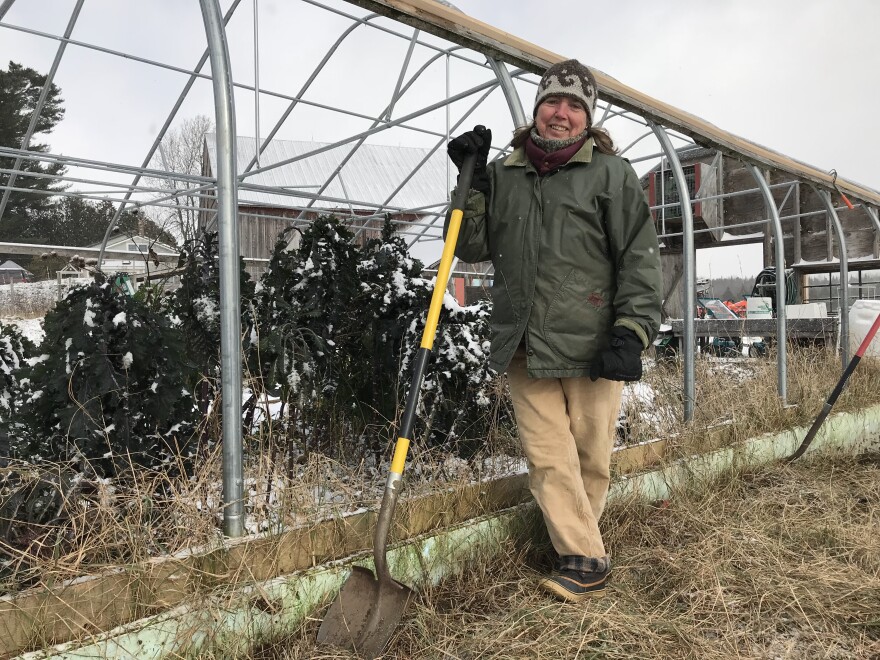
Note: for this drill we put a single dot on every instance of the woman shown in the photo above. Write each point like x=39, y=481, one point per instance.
x=576, y=299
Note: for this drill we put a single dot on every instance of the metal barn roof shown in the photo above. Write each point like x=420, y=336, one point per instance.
x=366, y=181
x=11, y=265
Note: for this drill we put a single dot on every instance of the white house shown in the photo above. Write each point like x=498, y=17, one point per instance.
x=143, y=255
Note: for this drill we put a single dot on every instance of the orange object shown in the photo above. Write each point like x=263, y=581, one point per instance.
x=845, y=199
x=738, y=308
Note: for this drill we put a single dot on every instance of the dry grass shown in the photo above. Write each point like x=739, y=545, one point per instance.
x=97, y=525
x=737, y=399
x=28, y=300
x=80, y=525
x=94, y=524
x=771, y=563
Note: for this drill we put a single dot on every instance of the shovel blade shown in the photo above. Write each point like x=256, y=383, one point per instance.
x=365, y=613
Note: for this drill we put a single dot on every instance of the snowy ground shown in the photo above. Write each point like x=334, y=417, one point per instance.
x=30, y=328
x=33, y=299
x=24, y=305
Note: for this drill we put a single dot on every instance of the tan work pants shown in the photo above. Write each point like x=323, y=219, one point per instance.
x=566, y=426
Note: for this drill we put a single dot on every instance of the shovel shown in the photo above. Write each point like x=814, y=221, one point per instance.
x=368, y=608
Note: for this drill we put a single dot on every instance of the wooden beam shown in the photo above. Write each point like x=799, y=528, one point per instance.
x=796, y=328
x=459, y=28
x=821, y=267
x=727, y=242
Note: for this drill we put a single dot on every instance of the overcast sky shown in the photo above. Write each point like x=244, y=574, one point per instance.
x=799, y=76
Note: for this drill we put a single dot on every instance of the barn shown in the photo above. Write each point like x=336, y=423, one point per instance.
x=729, y=209
x=353, y=180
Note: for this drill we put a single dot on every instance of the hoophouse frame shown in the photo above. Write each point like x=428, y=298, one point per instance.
x=444, y=37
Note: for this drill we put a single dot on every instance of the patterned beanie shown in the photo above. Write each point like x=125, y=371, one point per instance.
x=569, y=78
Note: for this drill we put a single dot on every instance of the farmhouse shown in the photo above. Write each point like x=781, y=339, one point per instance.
x=143, y=255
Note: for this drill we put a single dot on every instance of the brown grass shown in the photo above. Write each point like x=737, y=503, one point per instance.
x=28, y=300
x=737, y=399
x=100, y=525
x=770, y=563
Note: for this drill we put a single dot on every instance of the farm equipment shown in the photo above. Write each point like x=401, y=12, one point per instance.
x=368, y=608
x=720, y=346
x=765, y=286
x=761, y=303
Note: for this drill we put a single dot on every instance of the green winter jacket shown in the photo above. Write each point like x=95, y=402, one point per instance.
x=575, y=253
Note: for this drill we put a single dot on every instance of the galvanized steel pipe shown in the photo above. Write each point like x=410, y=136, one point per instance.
x=171, y=115
x=779, y=258
x=230, y=313
x=505, y=81
x=690, y=274
x=843, y=291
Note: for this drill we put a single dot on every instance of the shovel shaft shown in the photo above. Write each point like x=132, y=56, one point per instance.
x=430, y=331
x=401, y=447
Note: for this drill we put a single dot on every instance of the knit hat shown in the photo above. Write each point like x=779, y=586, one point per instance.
x=569, y=78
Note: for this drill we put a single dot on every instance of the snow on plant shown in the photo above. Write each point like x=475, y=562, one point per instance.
x=15, y=351
x=393, y=295
x=338, y=326
x=302, y=303
x=298, y=317
x=109, y=391
x=389, y=277
x=195, y=309
x=458, y=386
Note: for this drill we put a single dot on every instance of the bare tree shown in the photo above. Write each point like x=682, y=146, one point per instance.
x=181, y=152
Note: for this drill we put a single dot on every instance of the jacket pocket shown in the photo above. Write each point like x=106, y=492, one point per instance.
x=578, y=319
x=504, y=317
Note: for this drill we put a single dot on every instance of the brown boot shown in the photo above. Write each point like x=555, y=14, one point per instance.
x=578, y=578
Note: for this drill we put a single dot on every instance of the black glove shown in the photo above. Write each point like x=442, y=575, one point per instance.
x=477, y=142
x=622, y=360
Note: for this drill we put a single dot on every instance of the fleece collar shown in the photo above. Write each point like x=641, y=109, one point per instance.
x=519, y=159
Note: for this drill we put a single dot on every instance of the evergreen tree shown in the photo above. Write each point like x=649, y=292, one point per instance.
x=458, y=386
x=282, y=350
x=338, y=327
x=15, y=350
x=111, y=390
x=195, y=310
x=20, y=89
x=310, y=328
x=305, y=303
x=393, y=296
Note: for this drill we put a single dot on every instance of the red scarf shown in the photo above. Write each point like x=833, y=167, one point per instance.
x=546, y=162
